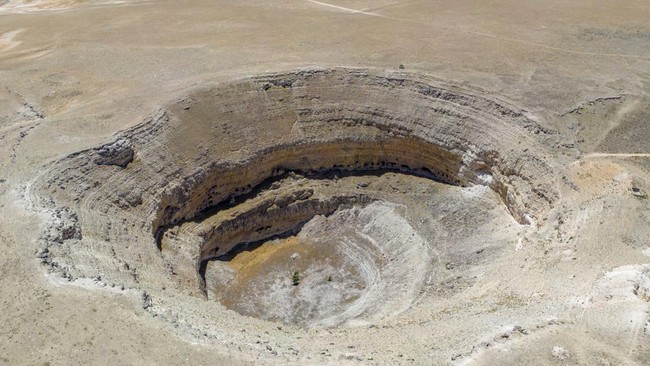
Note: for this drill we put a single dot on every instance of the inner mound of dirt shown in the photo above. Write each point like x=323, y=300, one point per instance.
x=336, y=268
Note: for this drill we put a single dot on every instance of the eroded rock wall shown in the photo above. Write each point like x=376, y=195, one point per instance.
x=220, y=141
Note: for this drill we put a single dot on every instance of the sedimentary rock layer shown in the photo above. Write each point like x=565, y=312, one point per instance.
x=220, y=141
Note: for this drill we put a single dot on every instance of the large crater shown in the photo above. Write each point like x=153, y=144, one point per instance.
x=304, y=197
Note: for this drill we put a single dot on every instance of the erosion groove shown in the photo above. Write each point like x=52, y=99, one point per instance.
x=234, y=163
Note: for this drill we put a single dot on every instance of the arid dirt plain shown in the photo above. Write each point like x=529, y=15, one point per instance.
x=337, y=182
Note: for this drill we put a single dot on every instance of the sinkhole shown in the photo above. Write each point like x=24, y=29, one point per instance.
x=316, y=197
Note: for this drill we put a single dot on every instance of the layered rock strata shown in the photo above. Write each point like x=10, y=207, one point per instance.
x=219, y=142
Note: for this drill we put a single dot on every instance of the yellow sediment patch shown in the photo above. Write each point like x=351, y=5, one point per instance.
x=247, y=262
x=596, y=177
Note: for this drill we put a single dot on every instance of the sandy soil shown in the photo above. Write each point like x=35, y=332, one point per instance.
x=574, y=291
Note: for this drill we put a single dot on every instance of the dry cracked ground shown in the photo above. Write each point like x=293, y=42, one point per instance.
x=324, y=182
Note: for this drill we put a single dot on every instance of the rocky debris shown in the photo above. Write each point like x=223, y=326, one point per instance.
x=282, y=83
x=560, y=353
x=300, y=195
x=64, y=226
x=118, y=153
x=128, y=199
x=43, y=254
x=638, y=192
x=30, y=111
x=146, y=300
x=623, y=283
x=21, y=137
x=516, y=332
x=580, y=109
